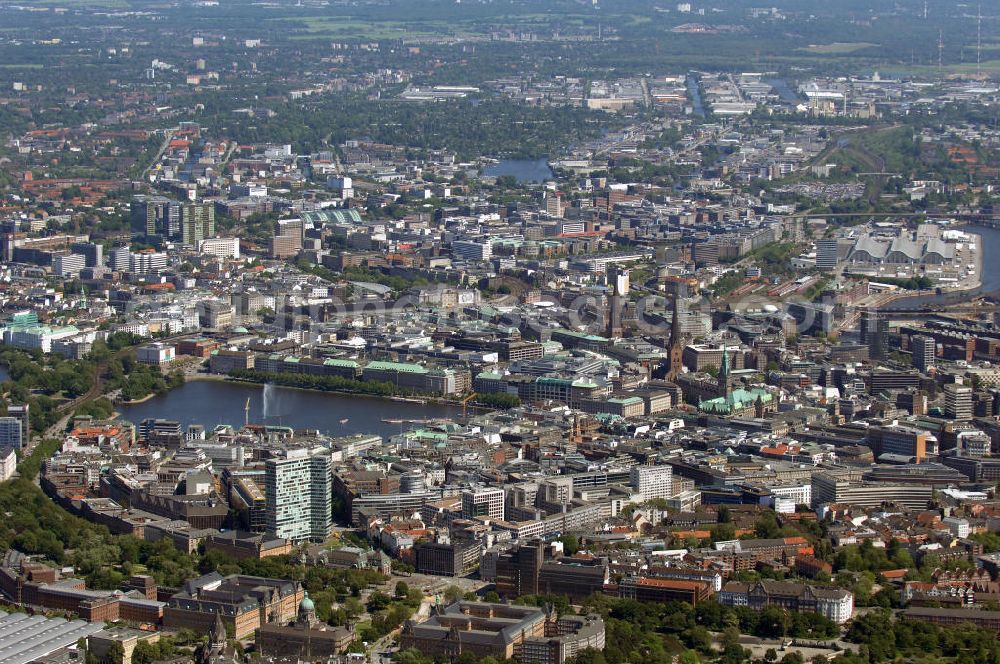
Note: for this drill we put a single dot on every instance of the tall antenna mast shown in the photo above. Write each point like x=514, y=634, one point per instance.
x=940, y=49
x=925, y=10
x=979, y=38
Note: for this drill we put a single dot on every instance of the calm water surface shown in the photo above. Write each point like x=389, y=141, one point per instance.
x=215, y=402
x=524, y=170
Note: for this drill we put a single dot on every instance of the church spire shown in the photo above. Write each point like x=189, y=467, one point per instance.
x=725, y=380
x=675, y=325
x=217, y=633
x=675, y=347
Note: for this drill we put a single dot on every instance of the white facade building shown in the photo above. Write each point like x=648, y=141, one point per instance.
x=483, y=502
x=956, y=526
x=8, y=463
x=836, y=604
x=799, y=494
x=223, y=247
x=147, y=262
x=37, y=336
x=155, y=354
x=652, y=482
x=69, y=265
x=298, y=495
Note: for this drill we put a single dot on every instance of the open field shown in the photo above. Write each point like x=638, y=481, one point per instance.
x=57, y=5
x=318, y=27
x=955, y=69
x=837, y=48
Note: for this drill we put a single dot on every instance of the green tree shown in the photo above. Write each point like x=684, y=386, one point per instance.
x=353, y=607
x=570, y=544
x=115, y=653
x=766, y=526
x=773, y=622
x=145, y=653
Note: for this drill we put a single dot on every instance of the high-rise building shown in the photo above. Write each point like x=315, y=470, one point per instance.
x=11, y=435
x=924, y=350
x=826, y=254
x=119, y=259
x=147, y=262
x=483, y=502
x=288, y=238
x=652, y=482
x=553, y=204
x=23, y=413
x=68, y=265
x=156, y=215
x=197, y=223
x=298, y=494
x=705, y=253
x=958, y=401
x=91, y=251
x=8, y=238
x=875, y=333
x=284, y=246
x=518, y=570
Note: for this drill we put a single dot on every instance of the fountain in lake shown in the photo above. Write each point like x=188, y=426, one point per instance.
x=271, y=400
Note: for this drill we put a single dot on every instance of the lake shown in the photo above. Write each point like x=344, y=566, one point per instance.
x=216, y=402
x=523, y=170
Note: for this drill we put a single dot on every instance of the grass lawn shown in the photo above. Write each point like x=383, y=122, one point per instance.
x=837, y=48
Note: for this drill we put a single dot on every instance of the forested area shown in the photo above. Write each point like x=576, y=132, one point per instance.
x=47, y=381
x=471, y=130
x=43, y=382
x=323, y=383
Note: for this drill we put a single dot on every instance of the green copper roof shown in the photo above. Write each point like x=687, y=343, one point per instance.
x=396, y=366
x=738, y=400
x=333, y=362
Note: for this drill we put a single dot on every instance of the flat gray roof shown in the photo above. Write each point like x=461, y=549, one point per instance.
x=25, y=638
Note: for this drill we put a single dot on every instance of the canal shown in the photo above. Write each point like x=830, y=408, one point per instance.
x=695, y=94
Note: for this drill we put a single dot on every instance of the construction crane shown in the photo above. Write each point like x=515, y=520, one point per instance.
x=465, y=404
